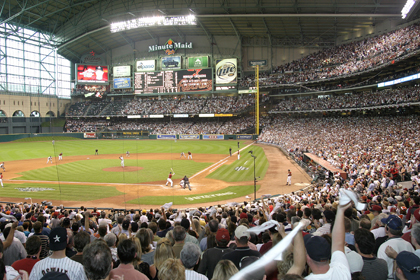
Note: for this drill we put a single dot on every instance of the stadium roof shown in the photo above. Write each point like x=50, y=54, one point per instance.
x=77, y=27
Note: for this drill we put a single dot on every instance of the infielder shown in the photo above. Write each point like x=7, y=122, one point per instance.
x=182, y=155
x=127, y=154
x=122, y=161
x=289, y=177
x=1, y=179
x=96, y=152
x=49, y=159
x=60, y=156
x=2, y=166
x=169, y=179
x=239, y=156
x=189, y=155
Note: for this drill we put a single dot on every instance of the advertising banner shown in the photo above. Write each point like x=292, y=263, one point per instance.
x=91, y=74
x=166, y=136
x=156, y=116
x=244, y=137
x=122, y=83
x=226, y=71
x=189, y=136
x=180, y=115
x=257, y=62
x=206, y=115
x=145, y=65
x=89, y=135
x=121, y=71
x=223, y=115
x=173, y=62
x=198, y=62
x=213, y=137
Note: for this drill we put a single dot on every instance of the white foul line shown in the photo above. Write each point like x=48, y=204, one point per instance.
x=219, y=162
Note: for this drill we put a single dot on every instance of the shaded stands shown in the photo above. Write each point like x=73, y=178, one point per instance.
x=325, y=164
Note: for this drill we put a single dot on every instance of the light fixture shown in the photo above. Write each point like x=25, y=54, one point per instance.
x=153, y=21
x=407, y=7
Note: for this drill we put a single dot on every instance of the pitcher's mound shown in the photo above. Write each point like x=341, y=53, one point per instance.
x=125, y=169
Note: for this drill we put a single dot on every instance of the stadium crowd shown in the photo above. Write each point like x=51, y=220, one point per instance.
x=399, y=96
x=336, y=240
x=218, y=104
x=344, y=59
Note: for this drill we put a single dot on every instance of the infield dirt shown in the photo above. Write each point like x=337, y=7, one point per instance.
x=274, y=181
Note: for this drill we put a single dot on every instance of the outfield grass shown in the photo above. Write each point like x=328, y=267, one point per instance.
x=228, y=173
x=63, y=192
x=91, y=171
x=224, y=194
x=17, y=151
x=45, y=139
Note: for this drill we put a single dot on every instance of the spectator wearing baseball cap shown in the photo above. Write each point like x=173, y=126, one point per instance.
x=242, y=250
x=319, y=253
x=408, y=266
x=58, y=260
x=213, y=255
x=393, y=229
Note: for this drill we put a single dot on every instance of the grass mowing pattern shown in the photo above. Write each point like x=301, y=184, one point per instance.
x=17, y=150
x=68, y=192
x=45, y=138
x=228, y=173
x=91, y=171
x=231, y=192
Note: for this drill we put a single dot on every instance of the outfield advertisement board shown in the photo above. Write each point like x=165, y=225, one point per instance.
x=213, y=137
x=198, y=62
x=226, y=71
x=121, y=71
x=145, y=65
x=89, y=135
x=180, y=115
x=122, y=83
x=189, y=136
x=172, y=62
x=166, y=136
x=244, y=137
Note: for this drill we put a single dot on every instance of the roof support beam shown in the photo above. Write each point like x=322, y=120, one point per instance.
x=100, y=45
x=127, y=39
x=297, y=15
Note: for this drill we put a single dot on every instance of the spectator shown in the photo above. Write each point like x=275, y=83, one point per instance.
x=58, y=259
x=172, y=269
x=190, y=256
x=179, y=236
x=126, y=255
x=44, y=240
x=81, y=240
x=164, y=251
x=212, y=256
x=97, y=260
x=224, y=270
x=15, y=251
x=241, y=237
x=33, y=250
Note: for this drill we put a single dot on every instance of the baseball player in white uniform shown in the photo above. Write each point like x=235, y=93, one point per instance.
x=60, y=156
x=239, y=156
x=289, y=178
x=49, y=159
x=127, y=154
x=1, y=179
x=189, y=155
x=2, y=166
x=169, y=179
x=182, y=155
x=122, y=161
x=182, y=183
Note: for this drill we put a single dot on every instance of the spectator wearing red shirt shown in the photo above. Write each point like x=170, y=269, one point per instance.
x=33, y=248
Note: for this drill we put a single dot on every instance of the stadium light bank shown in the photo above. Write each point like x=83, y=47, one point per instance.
x=407, y=7
x=153, y=21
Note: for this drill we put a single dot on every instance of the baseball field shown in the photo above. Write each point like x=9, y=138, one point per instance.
x=83, y=178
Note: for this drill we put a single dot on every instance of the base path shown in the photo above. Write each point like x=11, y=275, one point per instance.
x=274, y=181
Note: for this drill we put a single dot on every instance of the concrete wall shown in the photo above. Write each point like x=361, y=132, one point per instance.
x=27, y=104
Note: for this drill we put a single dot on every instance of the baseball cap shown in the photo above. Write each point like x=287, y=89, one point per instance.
x=393, y=222
x=58, y=239
x=355, y=261
x=409, y=263
x=243, y=216
x=242, y=231
x=222, y=234
x=376, y=208
x=317, y=248
x=55, y=275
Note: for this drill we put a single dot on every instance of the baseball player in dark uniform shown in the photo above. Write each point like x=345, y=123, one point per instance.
x=96, y=152
x=230, y=151
x=189, y=155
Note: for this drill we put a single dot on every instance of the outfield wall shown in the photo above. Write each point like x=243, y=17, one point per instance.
x=129, y=135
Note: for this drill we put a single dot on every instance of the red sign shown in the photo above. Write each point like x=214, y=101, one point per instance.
x=92, y=74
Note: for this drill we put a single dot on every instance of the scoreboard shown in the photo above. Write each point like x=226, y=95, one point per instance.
x=188, y=80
